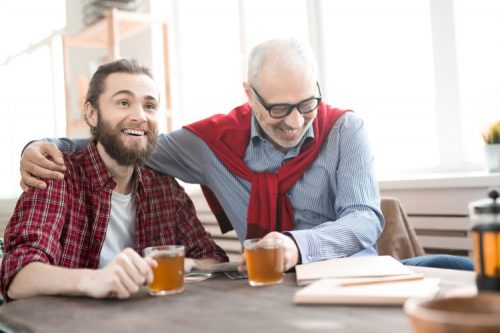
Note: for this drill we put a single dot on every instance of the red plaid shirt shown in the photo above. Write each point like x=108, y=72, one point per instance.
x=65, y=225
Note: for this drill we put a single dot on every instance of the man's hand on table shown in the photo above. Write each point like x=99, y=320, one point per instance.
x=291, y=252
x=121, y=278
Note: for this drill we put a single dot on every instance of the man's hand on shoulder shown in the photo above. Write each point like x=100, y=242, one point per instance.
x=40, y=159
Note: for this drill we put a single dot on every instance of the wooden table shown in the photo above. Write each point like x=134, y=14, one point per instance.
x=214, y=305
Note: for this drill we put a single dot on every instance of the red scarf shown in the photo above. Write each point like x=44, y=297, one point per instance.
x=269, y=208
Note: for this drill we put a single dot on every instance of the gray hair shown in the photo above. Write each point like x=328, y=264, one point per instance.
x=286, y=53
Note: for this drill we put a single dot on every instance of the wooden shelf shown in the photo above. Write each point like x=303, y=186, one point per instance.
x=96, y=36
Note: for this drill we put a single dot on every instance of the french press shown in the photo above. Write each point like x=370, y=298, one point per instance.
x=485, y=220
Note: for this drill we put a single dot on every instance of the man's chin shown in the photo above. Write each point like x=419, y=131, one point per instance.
x=133, y=143
x=128, y=156
x=288, y=142
x=130, y=159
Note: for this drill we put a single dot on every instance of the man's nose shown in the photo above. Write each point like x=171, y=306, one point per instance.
x=138, y=114
x=295, y=119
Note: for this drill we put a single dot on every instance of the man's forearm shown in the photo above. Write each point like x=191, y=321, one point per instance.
x=336, y=239
x=38, y=278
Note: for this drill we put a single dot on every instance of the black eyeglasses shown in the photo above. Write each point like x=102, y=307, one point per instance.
x=282, y=110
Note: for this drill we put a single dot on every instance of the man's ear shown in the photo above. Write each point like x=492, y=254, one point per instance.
x=90, y=114
x=248, y=92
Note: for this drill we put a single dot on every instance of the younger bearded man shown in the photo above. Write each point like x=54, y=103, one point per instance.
x=83, y=235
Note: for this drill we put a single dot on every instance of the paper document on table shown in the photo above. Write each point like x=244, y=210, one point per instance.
x=369, y=266
x=329, y=291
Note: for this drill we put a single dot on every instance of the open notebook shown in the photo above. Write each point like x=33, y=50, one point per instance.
x=328, y=291
x=351, y=267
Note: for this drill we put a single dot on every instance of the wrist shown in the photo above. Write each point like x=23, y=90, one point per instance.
x=84, y=278
x=299, y=256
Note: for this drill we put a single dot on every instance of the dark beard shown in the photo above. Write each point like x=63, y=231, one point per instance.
x=114, y=147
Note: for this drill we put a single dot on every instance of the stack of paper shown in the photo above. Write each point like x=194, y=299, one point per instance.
x=361, y=280
x=351, y=267
x=328, y=291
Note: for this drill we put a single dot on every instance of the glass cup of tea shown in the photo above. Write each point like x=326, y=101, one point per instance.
x=168, y=276
x=265, y=261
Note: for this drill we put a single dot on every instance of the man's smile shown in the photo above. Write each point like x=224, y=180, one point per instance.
x=134, y=132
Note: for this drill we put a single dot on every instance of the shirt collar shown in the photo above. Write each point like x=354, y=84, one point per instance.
x=98, y=172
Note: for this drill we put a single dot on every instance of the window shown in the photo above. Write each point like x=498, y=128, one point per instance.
x=211, y=44
x=478, y=54
x=207, y=68
x=378, y=61
x=30, y=75
x=263, y=20
x=422, y=74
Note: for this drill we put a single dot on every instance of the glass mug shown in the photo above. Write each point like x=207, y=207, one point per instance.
x=265, y=261
x=168, y=276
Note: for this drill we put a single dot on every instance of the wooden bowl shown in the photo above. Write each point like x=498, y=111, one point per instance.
x=478, y=314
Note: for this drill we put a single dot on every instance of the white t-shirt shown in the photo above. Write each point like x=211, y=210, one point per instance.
x=121, y=227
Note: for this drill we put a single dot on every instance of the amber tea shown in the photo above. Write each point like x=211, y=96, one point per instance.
x=169, y=275
x=264, y=261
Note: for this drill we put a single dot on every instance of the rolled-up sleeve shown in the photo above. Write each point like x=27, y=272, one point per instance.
x=33, y=231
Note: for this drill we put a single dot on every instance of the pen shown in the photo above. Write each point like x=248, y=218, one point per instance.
x=387, y=279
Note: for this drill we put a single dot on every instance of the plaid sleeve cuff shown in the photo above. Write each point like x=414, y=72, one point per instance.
x=13, y=262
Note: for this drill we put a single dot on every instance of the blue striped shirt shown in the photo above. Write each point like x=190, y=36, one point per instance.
x=336, y=202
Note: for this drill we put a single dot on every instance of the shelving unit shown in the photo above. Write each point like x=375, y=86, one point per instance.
x=107, y=34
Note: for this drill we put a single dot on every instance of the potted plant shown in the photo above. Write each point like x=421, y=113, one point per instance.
x=492, y=148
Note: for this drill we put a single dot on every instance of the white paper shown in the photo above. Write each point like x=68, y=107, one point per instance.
x=328, y=291
x=369, y=266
